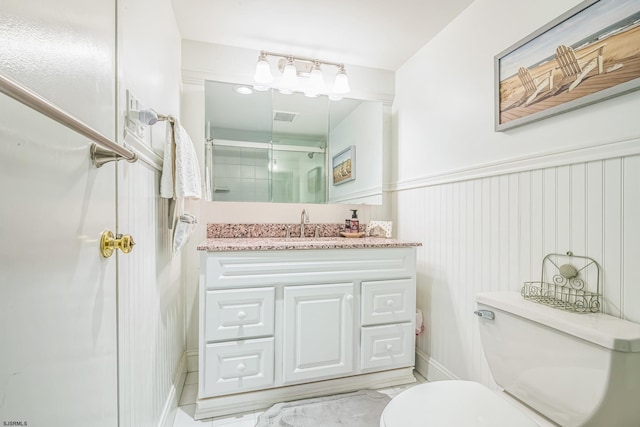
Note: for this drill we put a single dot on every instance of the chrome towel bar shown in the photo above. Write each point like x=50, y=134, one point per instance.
x=108, y=150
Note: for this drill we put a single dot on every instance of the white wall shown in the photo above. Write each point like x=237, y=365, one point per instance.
x=488, y=206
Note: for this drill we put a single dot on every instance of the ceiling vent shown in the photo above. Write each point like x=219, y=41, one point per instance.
x=284, y=116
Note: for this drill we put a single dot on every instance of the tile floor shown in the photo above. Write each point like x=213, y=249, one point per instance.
x=184, y=417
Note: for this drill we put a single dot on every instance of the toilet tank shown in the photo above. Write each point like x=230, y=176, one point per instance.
x=576, y=369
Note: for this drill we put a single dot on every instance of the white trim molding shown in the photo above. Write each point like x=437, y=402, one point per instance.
x=192, y=360
x=261, y=399
x=601, y=151
x=432, y=370
x=171, y=405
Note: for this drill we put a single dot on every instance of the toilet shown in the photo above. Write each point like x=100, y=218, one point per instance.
x=574, y=369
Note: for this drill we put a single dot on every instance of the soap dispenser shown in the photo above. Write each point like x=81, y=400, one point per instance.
x=355, y=222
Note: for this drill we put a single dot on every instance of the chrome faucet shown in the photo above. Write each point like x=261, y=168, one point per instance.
x=304, y=219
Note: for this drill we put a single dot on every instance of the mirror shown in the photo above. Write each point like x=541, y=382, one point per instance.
x=266, y=146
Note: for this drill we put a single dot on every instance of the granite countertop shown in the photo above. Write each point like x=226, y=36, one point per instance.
x=297, y=243
x=269, y=237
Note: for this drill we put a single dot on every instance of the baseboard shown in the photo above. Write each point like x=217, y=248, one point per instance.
x=171, y=405
x=261, y=399
x=432, y=370
x=192, y=361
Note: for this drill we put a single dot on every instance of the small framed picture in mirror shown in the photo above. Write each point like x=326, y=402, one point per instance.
x=344, y=165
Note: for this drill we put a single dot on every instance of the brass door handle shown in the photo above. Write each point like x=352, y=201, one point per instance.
x=109, y=243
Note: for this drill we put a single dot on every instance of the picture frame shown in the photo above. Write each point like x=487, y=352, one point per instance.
x=586, y=55
x=343, y=166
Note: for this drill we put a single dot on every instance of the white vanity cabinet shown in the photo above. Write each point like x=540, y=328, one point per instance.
x=288, y=324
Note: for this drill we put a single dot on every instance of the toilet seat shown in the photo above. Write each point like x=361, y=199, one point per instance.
x=452, y=404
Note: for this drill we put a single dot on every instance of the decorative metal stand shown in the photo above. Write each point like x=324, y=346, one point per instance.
x=564, y=284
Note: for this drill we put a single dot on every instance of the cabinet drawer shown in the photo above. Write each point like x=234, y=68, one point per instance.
x=239, y=313
x=388, y=346
x=237, y=366
x=389, y=301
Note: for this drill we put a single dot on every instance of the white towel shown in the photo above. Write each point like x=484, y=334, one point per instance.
x=187, y=167
x=184, y=228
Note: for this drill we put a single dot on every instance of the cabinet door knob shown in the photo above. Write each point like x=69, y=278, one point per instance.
x=241, y=367
x=349, y=298
x=389, y=347
x=242, y=315
x=389, y=302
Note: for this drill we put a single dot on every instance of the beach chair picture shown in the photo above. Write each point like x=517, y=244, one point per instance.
x=534, y=86
x=577, y=67
x=590, y=53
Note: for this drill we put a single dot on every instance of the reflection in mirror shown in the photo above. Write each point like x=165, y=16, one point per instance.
x=270, y=147
x=299, y=137
x=356, y=135
x=237, y=152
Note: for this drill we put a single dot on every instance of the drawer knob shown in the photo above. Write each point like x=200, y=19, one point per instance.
x=389, y=302
x=389, y=347
x=242, y=315
x=241, y=367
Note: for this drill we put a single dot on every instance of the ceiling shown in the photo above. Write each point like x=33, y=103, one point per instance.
x=371, y=33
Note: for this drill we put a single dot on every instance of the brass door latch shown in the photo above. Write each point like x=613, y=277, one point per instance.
x=109, y=243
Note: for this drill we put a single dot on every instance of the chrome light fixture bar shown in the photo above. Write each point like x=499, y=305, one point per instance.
x=289, y=82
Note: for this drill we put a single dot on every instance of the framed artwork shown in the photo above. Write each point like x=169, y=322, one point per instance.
x=343, y=166
x=590, y=53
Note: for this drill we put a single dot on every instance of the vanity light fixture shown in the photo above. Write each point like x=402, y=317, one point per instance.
x=294, y=67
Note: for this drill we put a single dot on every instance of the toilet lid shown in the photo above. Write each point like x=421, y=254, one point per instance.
x=452, y=403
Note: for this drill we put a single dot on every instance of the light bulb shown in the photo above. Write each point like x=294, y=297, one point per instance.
x=244, y=90
x=316, y=82
x=289, y=76
x=341, y=85
x=263, y=70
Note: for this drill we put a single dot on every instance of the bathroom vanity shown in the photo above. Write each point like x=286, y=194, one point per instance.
x=284, y=319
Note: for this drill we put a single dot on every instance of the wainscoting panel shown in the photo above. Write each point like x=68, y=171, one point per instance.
x=150, y=303
x=491, y=234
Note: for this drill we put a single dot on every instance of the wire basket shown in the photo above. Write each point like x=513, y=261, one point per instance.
x=564, y=284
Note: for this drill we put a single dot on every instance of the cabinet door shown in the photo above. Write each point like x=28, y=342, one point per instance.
x=318, y=331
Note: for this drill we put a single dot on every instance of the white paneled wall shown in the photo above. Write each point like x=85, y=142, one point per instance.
x=150, y=286
x=491, y=233
x=150, y=301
